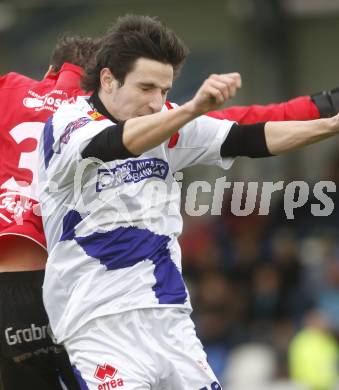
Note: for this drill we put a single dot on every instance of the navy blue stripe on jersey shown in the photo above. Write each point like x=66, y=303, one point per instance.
x=48, y=141
x=71, y=219
x=80, y=379
x=125, y=247
x=169, y=287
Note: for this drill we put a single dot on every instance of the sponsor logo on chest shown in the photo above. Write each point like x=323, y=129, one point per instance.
x=132, y=171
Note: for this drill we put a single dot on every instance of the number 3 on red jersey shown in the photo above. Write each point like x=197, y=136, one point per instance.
x=22, y=170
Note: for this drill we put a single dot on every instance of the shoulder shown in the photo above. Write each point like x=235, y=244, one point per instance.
x=79, y=107
x=73, y=115
x=15, y=80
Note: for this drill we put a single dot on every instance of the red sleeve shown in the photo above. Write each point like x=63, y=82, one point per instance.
x=300, y=108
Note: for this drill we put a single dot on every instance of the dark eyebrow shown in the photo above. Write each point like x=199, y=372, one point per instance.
x=152, y=85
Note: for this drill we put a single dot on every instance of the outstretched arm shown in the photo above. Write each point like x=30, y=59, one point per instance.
x=320, y=105
x=272, y=138
x=282, y=137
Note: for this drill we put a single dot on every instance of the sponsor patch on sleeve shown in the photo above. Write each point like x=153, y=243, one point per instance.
x=95, y=115
x=70, y=128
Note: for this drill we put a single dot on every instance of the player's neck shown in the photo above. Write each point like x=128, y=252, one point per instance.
x=98, y=102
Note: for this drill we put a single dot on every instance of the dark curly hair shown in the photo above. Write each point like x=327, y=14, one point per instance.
x=133, y=37
x=74, y=49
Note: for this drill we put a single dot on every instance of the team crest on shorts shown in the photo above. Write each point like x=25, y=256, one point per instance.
x=107, y=374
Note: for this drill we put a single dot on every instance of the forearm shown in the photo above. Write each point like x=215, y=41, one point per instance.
x=282, y=137
x=146, y=132
x=301, y=108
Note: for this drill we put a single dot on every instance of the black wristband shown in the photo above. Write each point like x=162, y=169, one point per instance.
x=327, y=102
x=108, y=145
x=245, y=140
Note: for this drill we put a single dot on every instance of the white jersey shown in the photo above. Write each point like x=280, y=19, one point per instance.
x=112, y=228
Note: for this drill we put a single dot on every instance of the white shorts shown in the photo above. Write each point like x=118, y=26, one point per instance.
x=141, y=349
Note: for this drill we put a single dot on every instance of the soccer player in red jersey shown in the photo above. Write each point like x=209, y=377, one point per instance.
x=28, y=357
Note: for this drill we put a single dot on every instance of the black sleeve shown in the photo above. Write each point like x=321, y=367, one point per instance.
x=327, y=102
x=245, y=140
x=108, y=145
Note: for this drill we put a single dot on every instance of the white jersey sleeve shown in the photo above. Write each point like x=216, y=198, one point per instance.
x=199, y=142
x=68, y=132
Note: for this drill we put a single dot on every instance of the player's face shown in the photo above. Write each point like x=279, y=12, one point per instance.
x=144, y=90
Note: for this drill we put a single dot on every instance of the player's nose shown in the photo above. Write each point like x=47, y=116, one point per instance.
x=156, y=102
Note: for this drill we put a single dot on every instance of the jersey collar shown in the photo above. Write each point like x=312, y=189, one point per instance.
x=97, y=105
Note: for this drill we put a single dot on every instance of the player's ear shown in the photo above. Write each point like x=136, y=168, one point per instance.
x=107, y=81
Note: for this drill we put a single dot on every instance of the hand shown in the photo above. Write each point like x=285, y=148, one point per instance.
x=215, y=91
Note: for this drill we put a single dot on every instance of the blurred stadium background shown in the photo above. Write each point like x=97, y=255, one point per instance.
x=265, y=289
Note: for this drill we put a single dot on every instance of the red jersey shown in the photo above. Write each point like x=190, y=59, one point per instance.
x=25, y=105
x=297, y=109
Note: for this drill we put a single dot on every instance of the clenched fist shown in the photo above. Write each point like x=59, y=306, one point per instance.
x=215, y=91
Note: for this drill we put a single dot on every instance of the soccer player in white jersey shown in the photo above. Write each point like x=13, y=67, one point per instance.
x=113, y=288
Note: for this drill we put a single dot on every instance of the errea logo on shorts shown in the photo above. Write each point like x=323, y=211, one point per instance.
x=108, y=372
